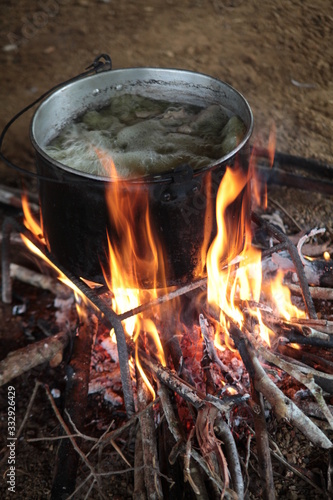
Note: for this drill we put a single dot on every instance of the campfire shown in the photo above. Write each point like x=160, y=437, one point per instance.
x=196, y=368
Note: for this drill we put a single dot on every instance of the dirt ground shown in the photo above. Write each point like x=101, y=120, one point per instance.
x=279, y=55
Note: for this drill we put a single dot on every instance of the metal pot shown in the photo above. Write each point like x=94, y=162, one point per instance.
x=74, y=212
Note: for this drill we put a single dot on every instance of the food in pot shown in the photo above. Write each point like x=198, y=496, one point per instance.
x=145, y=136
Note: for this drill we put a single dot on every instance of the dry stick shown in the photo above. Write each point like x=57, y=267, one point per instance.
x=72, y=440
x=279, y=456
x=169, y=378
x=317, y=292
x=281, y=404
x=223, y=432
x=76, y=403
x=208, y=336
x=262, y=441
x=184, y=389
x=188, y=393
x=201, y=283
x=232, y=458
x=164, y=298
x=187, y=459
x=13, y=198
x=38, y=280
x=209, y=445
x=324, y=325
x=179, y=437
x=25, y=418
x=330, y=475
x=150, y=457
x=305, y=379
x=28, y=357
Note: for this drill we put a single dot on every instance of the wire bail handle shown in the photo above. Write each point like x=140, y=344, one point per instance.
x=101, y=63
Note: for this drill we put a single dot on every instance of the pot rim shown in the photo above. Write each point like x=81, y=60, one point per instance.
x=150, y=178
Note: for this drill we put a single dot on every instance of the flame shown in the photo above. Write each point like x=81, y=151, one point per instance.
x=135, y=258
x=233, y=263
x=29, y=220
x=281, y=295
x=208, y=225
x=80, y=298
x=327, y=255
x=36, y=229
x=224, y=282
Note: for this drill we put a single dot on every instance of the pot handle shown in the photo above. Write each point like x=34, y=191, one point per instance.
x=101, y=63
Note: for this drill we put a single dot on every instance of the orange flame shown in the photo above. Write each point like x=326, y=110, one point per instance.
x=36, y=229
x=29, y=220
x=135, y=257
x=281, y=295
x=227, y=283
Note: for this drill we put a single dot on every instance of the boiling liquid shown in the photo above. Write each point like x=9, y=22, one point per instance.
x=146, y=137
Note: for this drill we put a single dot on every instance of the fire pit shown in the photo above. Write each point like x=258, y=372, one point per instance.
x=216, y=385
x=201, y=363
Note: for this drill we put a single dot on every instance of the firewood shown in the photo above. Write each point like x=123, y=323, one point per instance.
x=38, y=280
x=283, y=407
x=317, y=292
x=262, y=442
x=149, y=448
x=28, y=357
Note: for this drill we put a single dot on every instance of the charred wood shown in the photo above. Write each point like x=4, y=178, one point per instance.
x=76, y=399
x=309, y=358
x=139, y=492
x=262, y=442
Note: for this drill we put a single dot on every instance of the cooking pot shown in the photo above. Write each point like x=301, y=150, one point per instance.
x=73, y=206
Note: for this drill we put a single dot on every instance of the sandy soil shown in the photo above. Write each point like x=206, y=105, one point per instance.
x=277, y=54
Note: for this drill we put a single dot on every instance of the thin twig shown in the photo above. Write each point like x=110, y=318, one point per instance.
x=281, y=404
x=25, y=418
x=187, y=459
x=305, y=379
x=72, y=440
x=262, y=441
